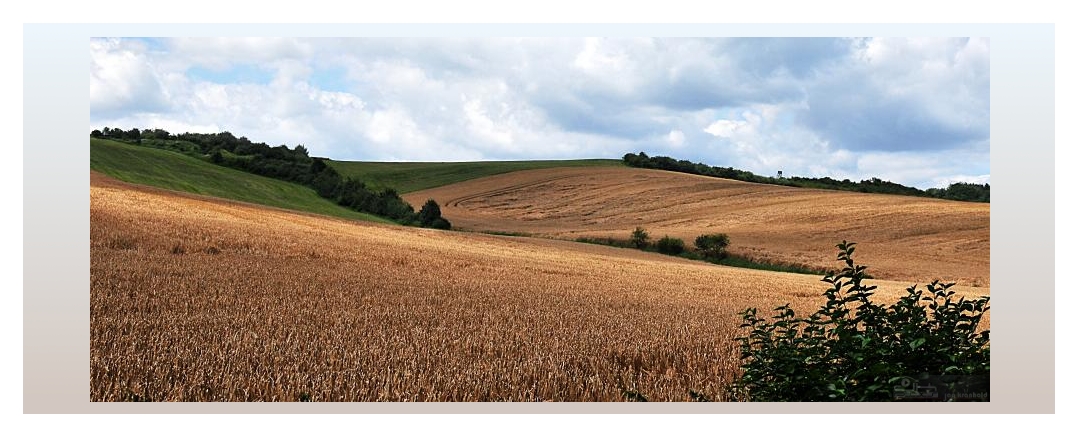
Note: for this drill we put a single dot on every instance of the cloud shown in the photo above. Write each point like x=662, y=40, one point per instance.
x=950, y=179
x=903, y=95
x=676, y=138
x=223, y=52
x=123, y=80
x=727, y=128
x=809, y=106
x=922, y=169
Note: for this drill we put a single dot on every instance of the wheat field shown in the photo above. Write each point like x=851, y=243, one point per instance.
x=901, y=238
x=200, y=299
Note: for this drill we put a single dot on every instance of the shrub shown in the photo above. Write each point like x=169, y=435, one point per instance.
x=440, y=223
x=713, y=246
x=431, y=216
x=670, y=246
x=429, y=212
x=854, y=350
x=609, y=241
x=640, y=238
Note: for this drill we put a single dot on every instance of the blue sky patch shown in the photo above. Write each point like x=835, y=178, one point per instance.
x=236, y=74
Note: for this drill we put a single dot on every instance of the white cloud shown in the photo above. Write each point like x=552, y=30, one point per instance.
x=123, y=80
x=598, y=59
x=483, y=127
x=728, y=128
x=391, y=125
x=946, y=181
x=676, y=138
x=837, y=107
x=922, y=170
x=222, y=52
x=903, y=94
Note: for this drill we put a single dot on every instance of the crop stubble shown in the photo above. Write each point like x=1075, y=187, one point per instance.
x=901, y=238
x=195, y=299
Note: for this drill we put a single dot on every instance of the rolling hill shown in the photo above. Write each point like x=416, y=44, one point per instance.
x=414, y=176
x=175, y=171
x=203, y=299
x=904, y=238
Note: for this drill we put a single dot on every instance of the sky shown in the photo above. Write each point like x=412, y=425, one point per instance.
x=915, y=111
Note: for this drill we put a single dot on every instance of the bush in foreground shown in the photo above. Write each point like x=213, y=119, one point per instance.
x=923, y=347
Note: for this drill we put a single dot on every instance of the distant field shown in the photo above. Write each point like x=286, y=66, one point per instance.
x=199, y=299
x=903, y=238
x=415, y=176
x=171, y=170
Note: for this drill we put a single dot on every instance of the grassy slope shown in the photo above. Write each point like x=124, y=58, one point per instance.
x=170, y=170
x=414, y=176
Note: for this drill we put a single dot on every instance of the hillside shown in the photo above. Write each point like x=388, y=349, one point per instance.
x=200, y=299
x=904, y=238
x=171, y=170
x=414, y=176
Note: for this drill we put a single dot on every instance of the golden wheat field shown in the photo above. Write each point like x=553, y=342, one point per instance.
x=901, y=238
x=198, y=299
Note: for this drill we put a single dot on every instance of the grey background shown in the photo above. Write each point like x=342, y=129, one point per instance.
x=56, y=261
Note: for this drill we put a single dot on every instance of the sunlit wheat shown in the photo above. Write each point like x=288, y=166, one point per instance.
x=268, y=305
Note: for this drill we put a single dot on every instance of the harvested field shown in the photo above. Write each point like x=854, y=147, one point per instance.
x=902, y=238
x=197, y=299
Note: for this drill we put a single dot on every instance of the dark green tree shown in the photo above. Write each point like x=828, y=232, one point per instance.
x=429, y=213
x=326, y=184
x=133, y=134
x=639, y=238
x=670, y=246
x=713, y=246
x=301, y=151
x=440, y=223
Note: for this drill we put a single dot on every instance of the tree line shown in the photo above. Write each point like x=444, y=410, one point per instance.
x=284, y=163
x=955, y=191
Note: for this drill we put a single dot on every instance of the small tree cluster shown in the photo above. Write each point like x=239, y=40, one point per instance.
x=431, y=216
x=852, y=349
x=640, y=238
x=963, y=192
x=712, y=246
x=670, y=246
x=284, y=163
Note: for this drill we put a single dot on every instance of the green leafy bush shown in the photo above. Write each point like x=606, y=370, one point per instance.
x=670, y=246
x=440, y=223
x=640, y=238
x=852, y=349
x=713, y=246
x=429, y=212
